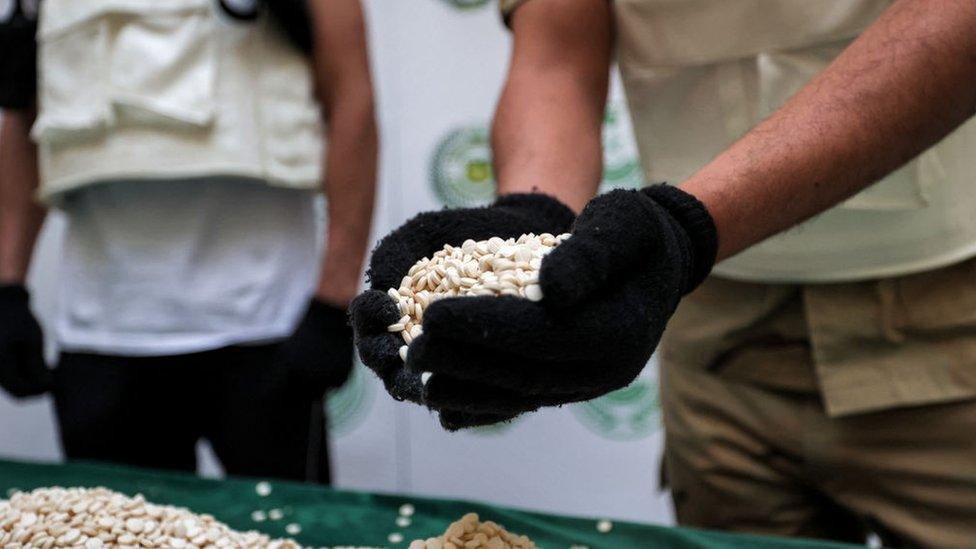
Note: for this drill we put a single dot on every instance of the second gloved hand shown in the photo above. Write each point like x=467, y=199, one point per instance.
x=23, y=372
x=608, y=292
x=319, y=355
x=373, y=311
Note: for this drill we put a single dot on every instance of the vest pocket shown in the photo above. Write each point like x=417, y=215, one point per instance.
x=73, y=79
x=292, y=123
x=131, y=63
x=163, y=68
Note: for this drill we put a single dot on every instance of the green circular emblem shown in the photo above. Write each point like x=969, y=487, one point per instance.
x=460, y=169
x=467, y=4
x=462, y=177
x=621, y=164
x=631, y=413
x=348, y=406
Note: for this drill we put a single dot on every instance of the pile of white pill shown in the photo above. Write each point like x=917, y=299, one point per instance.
x=470, y=533
x=98, y=517
x=494, y=267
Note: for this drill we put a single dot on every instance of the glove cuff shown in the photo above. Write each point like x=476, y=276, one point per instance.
x=538, y=205
x=698, y=224
x=328, y=315
x=13, y=293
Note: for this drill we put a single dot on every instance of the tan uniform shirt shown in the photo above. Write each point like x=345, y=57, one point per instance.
x=700, y=73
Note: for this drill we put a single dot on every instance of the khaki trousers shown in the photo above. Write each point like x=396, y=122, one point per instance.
x=751, y=447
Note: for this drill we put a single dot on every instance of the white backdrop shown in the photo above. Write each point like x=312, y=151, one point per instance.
x=438, y=66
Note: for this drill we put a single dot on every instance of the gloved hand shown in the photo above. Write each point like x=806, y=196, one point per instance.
x=23, y=372
x=374, y=310
x=608, y=292
x=318, y=356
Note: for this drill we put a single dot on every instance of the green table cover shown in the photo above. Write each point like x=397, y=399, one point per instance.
x=330, y=517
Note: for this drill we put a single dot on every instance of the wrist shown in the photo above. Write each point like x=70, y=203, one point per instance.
x=696, y=222
x=336, y=295
x=13, y=293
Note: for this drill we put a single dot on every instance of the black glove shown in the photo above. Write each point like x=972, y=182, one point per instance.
x=510, y=216
x=608, y=293
x=318, y=356
x=22, y=369
x=18, y=63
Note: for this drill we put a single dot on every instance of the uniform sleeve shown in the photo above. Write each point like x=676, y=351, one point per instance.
x=18, y=59
x=508, y=7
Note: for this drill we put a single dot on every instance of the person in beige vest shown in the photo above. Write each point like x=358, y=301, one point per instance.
x=185, y=143
x=822, y=381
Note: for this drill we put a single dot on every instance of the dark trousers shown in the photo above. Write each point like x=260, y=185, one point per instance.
x=151, y=411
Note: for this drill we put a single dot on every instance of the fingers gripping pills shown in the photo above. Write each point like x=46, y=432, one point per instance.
x=493, y=267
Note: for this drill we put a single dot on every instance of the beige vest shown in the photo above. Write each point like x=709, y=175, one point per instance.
x=135, y=89
x=700, y=73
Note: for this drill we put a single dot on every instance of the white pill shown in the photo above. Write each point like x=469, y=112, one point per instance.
x=263, y=488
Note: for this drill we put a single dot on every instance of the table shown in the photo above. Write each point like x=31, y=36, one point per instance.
x=330, y=517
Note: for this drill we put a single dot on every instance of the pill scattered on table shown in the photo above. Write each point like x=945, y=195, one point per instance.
x=604, y=526
x=493, y=267
x=403, y=522
x=97, y=517
x=469, y=532
x=407, y=510
x=395, y=537
x=263, y=488
x=276, y=514
x=259, y=516
x=293, y=529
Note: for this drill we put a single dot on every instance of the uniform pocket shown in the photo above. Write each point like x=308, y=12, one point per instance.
x=936, y=301
x=73, y=77
x=293, y=123
x=125, y=63
x=163, y=67
x=782, y=74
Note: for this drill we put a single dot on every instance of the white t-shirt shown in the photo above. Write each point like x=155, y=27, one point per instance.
x=152, y=268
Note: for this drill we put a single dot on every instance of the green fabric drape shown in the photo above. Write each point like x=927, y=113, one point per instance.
x=331, y=517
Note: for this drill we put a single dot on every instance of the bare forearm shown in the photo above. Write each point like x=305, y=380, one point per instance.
x=350, y=188
x=345, y=89
x=546, y=132
x=909, y=80
x=20, y=215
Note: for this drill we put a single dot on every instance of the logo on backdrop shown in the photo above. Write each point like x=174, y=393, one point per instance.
x=348, y=407
x=631, y=413
x=460, y=169
x=467, y=4
x=621, y=163
x=461, y=174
